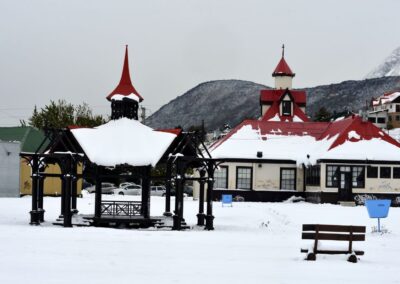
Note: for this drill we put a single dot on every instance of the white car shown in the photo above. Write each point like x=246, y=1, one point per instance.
x=132, y=189
x=106, y=188
x=157, y=190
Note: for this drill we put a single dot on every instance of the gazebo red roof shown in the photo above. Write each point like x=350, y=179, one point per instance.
x=125, y=86
x=283, y=69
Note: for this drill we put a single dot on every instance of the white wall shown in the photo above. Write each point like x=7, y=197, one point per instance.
x=283, y=82
x=9, y=169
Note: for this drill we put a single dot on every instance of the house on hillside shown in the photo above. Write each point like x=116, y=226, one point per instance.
x=283, y=153
x=385, y=110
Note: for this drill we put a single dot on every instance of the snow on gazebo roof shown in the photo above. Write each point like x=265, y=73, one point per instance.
x=123, y=141
x=307, y=142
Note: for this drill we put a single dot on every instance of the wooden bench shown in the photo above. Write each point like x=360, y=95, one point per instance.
x=318, y=232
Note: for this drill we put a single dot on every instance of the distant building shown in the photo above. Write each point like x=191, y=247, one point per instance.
x=15, y=173
x=385, y=110
x=283, y=153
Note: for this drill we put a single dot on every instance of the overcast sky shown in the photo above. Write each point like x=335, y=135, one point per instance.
x=74, y=49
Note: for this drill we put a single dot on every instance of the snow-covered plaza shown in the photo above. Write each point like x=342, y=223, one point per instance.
x=251, y=243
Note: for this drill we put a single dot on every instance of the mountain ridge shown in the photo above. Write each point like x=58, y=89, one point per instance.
x=231, y=101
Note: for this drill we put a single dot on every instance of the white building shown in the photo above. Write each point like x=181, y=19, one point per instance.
x=283, y=153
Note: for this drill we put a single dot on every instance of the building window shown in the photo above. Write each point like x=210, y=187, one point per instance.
x=372, y=172
x=288, y=179
x=396, y=172
x=389, y=118
x=382, y=120
x=221, y=177
x=372, y=119
x=358, y=176
x=385, y=172
x=313, y=175
x=397, y=117
x=244, y=177
x=397, y=108
x=286, y=108
x=332, y=176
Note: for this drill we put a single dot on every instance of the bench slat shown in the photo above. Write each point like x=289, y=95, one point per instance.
x=357, y=252
x=334, y=228
x=333, y=237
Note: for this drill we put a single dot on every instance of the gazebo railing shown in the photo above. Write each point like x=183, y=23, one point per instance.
x=121, y=208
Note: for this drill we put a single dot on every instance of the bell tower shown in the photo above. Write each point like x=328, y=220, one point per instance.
x=283, y=74
x=125, y=99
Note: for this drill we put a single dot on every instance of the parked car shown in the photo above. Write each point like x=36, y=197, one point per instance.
x=130, y=189
x=188, y=190
x=106, y=188
x=157, y=190
x=123, y=184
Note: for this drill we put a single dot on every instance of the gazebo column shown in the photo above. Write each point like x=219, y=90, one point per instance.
x=63, y=190
x=178, y=213
x=74, y=187
x=35, y=216
x=146, y=172
x=97, y=194
x=210, y=186
x=40, y=197
x=67, y=195
x=168, y=186
x=201, y=215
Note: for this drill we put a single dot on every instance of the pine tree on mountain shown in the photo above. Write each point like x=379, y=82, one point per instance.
x=322, y=115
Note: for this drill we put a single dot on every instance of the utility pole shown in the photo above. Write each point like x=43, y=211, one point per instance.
x=143, y=114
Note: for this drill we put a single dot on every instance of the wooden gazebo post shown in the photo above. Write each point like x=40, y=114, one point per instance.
x=210, y=186
x=168, y=186
x=35, y=219
x=97, y=193
x=146, y=172
x=40, y=197
x=178, y=214
x=201, y=216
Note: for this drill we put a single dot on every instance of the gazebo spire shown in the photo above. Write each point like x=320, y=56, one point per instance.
x=125, y=87
x=125, y=99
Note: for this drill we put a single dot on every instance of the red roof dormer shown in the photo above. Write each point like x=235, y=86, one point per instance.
x=125, y=87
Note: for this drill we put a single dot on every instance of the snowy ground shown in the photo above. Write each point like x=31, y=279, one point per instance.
x=252, y=243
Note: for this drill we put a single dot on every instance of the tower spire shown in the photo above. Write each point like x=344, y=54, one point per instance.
x=283, y=50
x=125, y=87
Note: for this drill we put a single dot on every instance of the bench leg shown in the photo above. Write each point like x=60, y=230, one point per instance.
x=311, y=256
x=352, y=258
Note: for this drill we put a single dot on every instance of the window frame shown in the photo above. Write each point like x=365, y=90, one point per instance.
x=226, y=178
x=287, y=104
x=393, y=173
x=373, y=167
x=380, y=172
x=251, y=177
x=311, y=179
x=295, y=178
x=380, y=120
x=338, y=173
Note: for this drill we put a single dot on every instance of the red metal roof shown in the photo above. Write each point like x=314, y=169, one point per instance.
x=125, y=86
x=283, y=69
x=175, y=131
x=269, y=96
x=319, y=130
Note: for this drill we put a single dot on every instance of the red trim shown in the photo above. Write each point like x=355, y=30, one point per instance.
x=269, y=96
x=125, y=86
x=175, y=131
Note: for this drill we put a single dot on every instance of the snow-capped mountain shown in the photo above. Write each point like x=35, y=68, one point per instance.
x=389, y=67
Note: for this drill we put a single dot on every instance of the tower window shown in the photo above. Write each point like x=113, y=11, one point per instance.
x=286, y=108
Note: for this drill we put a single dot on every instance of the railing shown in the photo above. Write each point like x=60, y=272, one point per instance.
x=121, y=208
